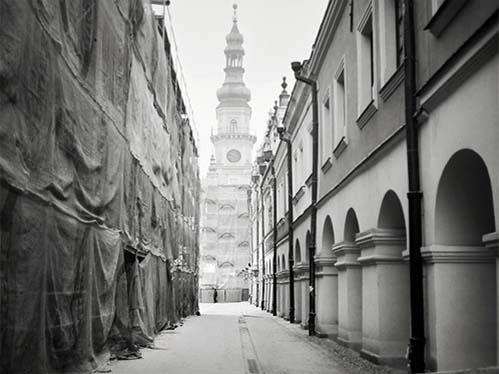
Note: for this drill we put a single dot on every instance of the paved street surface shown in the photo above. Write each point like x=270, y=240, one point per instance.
x=239, y=338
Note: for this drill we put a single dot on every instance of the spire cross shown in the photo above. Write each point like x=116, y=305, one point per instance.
x=234, y=18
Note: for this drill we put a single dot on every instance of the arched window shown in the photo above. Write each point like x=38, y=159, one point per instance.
x=233, y=126
x=226, y=235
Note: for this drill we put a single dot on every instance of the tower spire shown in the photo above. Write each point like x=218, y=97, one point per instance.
x=233, y=87
x=234, y=17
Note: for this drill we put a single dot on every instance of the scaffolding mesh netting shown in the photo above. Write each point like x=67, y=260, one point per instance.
x=99, y=184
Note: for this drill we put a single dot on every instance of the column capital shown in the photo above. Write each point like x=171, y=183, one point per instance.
x=454, y=254
x=381, y=246
x=491, y=240
x=376, y=236
x=347, y=254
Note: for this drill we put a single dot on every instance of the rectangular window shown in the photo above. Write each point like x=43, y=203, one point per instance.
x=391, y=15
x=366, y=66
x=296, y=171
x=340, y=110
x=327, y=128
x=435, y=4
x=399, y=25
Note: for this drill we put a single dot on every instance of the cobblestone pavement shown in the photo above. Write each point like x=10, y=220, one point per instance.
x=235, y=338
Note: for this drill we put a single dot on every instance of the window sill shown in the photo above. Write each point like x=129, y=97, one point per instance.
x=442, y=17
x=342, y=144
x=308, y=182
x=299, y=195
x=327, y=165
x=366, y=115
x=393, y=82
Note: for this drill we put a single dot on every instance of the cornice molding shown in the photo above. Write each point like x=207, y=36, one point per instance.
x=326, y=34
x=474, y=53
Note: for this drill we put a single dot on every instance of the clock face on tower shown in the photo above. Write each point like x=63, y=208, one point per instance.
x=233, y=155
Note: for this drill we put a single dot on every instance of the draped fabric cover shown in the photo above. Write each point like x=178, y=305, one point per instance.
x=99, y=183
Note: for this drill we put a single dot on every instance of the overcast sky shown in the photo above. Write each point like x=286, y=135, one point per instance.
x=275, y=32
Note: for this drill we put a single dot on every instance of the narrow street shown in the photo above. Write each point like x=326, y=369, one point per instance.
x=239, y=338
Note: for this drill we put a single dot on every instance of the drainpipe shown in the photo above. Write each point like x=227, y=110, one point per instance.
x=257, y=244
x=274, y=264
x=251, y=249
x=416, y=359
x=297, y=68
x=263, y=246
x=286, y=137
x=291, y=231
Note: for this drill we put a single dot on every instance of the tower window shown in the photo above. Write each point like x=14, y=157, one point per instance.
x=366, y=68
x=233, y=126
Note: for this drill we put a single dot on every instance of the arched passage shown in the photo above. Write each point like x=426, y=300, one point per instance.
x=349, y=284
x=297, y=282
x=465, y=209
x=305, y=283
x=297, y=252
x=351, y=226
x=391, y=214
x=385, y=285
x=308, y=239
x=285, y=288
x=327, y=283
x=462, y=272
x=327, y=237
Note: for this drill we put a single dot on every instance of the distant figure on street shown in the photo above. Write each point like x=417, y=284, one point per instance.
x=215, y=295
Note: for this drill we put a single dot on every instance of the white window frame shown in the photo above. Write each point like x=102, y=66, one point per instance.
x=387, y=40
x=340, y=103
x=327, y=137
x=435, y=5
x=366, y=60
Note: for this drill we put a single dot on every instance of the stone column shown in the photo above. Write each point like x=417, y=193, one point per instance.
x=385, y=296
x=491, y=242
x=327, y=295
x=461, y=307
x=269, y=301
x=280, y=299
x=304, y=296
x=285, y=285
x=349, y=294
x=298, y=292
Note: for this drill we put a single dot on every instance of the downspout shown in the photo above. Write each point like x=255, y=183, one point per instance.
x=257, y=244
x=297, y=67
x=251, y=249
x=263, y=246
x=417, y=340
x=274, y=264
x=291, y=232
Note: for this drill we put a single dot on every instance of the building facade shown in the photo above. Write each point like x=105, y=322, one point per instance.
x=225, y=234
x=362, y=279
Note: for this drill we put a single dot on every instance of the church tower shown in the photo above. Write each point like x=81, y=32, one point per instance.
x=232, y=138
x=225, y=233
